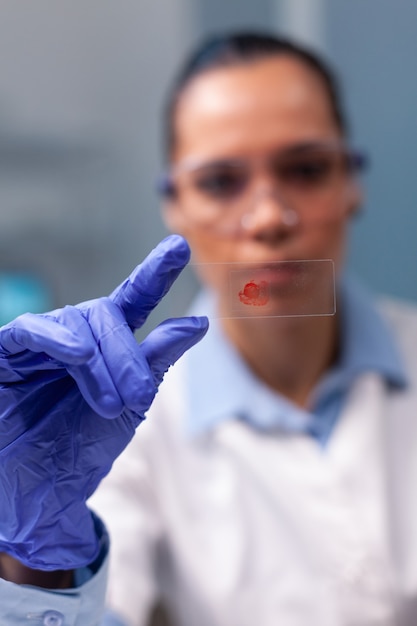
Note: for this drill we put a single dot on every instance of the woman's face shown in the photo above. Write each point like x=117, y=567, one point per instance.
x=249, y=113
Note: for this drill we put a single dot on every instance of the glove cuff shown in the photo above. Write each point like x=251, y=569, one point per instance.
x=64, y=551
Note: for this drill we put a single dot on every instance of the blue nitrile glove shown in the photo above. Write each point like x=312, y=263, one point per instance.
x=74, y=385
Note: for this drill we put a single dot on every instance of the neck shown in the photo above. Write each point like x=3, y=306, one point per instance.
x=289, y=354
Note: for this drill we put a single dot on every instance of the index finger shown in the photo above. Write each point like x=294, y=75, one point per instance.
x=138, y=295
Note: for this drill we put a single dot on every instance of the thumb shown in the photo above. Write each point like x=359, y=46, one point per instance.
x=168, y=341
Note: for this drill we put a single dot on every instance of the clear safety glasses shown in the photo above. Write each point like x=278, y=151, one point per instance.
x=305, y=181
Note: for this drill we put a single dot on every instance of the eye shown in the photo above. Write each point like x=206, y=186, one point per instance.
x=221, y=182
x=306, y=171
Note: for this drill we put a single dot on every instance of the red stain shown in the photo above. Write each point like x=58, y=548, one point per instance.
x=255, y=294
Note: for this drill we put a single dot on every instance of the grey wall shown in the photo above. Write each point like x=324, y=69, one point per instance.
x=222, y=15
x=81, y=82
x=374, y=43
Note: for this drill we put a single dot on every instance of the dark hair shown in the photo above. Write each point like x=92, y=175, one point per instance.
x=243, y=47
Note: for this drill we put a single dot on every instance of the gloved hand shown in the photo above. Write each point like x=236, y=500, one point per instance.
x=74, y=385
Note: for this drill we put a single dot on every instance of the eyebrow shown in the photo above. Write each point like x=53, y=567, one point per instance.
x=193, y=163
x=312, y=145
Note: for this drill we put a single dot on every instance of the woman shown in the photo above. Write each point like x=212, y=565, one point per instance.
x=273, y=481
x=264, y=482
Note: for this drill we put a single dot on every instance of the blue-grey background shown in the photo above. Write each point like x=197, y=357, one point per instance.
x=82, y=84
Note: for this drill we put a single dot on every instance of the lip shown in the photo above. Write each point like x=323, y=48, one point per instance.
x=280, y=274
x=284, y=288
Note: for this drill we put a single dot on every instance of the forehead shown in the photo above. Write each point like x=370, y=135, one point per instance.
x=249, y=107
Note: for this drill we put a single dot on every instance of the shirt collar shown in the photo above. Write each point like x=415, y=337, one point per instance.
x=220, y=386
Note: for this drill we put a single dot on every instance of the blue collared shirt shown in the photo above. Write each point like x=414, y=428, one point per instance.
x=222, y=386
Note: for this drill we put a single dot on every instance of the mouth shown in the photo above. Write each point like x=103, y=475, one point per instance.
x=286, y=288
x=281, y=275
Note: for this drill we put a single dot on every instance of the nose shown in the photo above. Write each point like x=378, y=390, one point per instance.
x=267, y=209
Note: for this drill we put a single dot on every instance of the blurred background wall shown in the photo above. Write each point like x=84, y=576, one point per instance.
x=82, y=84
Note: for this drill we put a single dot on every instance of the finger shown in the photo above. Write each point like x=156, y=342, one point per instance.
x=39, y=333
x=138, y=369
x=168, y=342
x=128, y=368
x=151, y=280
x=92, y=376
x=124, y=361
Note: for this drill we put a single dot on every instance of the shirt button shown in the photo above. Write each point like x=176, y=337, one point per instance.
x=52, y=618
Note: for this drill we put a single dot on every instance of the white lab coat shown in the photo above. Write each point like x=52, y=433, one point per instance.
x=239, y=528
